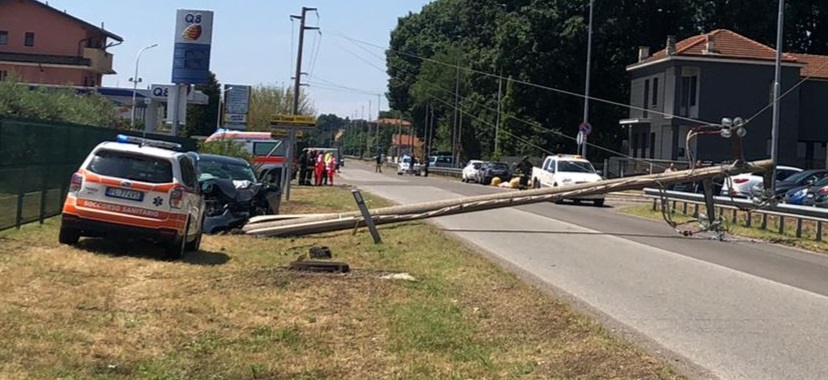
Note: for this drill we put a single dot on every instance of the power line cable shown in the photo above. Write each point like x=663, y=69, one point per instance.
x=529, y=123
x=315, y=56
x=772, y=103
x=540, y=86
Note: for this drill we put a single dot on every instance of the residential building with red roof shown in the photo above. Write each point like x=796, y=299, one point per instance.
x=705, y=78
x=45, y=45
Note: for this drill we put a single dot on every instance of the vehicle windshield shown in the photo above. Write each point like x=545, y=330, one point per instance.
x=477, y=165
x=796, y=177
x=225, y=170
x=131, y=166
x=406, y=160
x=575, y=167
x=499, y=167
x=784, y=174
x=821, y=183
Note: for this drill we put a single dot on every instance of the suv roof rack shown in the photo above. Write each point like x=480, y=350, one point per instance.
x=140, y=141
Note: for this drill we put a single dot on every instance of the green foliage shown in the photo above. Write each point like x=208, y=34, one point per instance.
x=268, y=100
x=56, y=104
x=202, y=118
x=544, y=42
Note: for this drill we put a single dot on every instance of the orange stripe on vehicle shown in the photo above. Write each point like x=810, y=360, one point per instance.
x=88, y=176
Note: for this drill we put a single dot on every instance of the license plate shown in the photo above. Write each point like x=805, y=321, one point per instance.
x=132, y=195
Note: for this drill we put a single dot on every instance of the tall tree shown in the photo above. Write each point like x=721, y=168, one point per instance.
x=202, y=118
x=541, y=46
x=269, y=100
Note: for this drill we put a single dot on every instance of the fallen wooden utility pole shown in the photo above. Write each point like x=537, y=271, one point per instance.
x=395, y=214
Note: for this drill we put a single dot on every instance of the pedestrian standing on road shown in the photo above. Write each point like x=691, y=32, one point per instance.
x=319, y=168
x=331, y=170
x=670, y=169
x=326, y=159
x=378, y=168
x=311, y=160
x=303, y=168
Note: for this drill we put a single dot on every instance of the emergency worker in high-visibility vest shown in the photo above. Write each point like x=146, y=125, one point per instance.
x=319, y=168
x=331, y=166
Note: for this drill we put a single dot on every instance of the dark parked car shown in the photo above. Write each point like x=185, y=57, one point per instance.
x=817, y=194
x=803, y=178
x=232, y=193
x=495, y=169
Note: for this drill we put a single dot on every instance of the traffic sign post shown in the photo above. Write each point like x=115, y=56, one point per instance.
x=293, y=124
x=583, y=131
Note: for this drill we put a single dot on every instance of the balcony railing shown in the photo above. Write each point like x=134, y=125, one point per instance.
x=44, y=59
x=99, y=60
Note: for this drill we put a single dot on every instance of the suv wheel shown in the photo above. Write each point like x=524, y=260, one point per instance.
x=599, y=203
x=176, y=248
x=195, y=245
x=69, y=236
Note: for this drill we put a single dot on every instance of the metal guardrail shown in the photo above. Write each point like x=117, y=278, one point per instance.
x=448, y=172
x=781, y=212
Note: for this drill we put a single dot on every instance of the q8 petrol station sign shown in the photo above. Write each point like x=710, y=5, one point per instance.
x=193, y=38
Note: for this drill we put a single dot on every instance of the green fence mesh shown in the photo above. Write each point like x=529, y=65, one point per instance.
x=37, y=159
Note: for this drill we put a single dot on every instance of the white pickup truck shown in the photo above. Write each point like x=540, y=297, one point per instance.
x=566, y=170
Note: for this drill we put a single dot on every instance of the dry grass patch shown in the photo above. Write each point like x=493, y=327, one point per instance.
x=770, y=233
x=110, y=311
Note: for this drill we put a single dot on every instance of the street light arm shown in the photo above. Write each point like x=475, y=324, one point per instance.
x=135, y=83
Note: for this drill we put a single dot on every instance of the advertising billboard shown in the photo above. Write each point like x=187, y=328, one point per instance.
x=236, y=106
x=191, y=54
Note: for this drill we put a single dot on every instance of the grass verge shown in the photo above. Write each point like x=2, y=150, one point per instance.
x=109, y=310
x=770, y=234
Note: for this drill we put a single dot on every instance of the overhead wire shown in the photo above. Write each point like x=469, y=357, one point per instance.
x=331, y=83
x=315, y=54
x=292, y=48
x=527, y=83
x=786, y=93
x=665, y=209
x=529, y=123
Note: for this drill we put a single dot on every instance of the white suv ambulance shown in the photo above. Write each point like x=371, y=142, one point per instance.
x=136, y=188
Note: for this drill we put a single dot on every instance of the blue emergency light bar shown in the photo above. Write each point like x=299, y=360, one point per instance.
x=124, y=139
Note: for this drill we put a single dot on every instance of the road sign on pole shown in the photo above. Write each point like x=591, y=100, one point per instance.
x=585, y=128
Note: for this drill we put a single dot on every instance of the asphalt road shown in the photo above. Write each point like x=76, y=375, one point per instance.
x=732, y=310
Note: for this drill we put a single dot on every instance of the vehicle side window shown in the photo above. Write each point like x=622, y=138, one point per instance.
x=551, y=166
x=188, y=172
x=782, y=174
x=261, y=149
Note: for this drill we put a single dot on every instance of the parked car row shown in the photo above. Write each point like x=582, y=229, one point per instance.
x=483, y=172
x=148, y=189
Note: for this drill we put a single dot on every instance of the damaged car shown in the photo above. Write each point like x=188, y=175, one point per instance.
x=232, y=193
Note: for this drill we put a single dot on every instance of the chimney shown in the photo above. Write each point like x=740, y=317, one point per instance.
x=643, y=53
x=710, y=45
x=671, y=45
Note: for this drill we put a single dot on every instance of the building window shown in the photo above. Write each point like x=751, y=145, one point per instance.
x=655, y=91
x=4, y=74
x=646, y=97
x=689, y=92
x=4, y=37
x=29, y=39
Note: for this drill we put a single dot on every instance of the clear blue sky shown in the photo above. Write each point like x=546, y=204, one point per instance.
x=252, y=42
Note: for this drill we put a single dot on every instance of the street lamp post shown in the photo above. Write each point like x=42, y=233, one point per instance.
x=222, y=95
x=776, y=93
x=586, y=92
x=135, y=81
